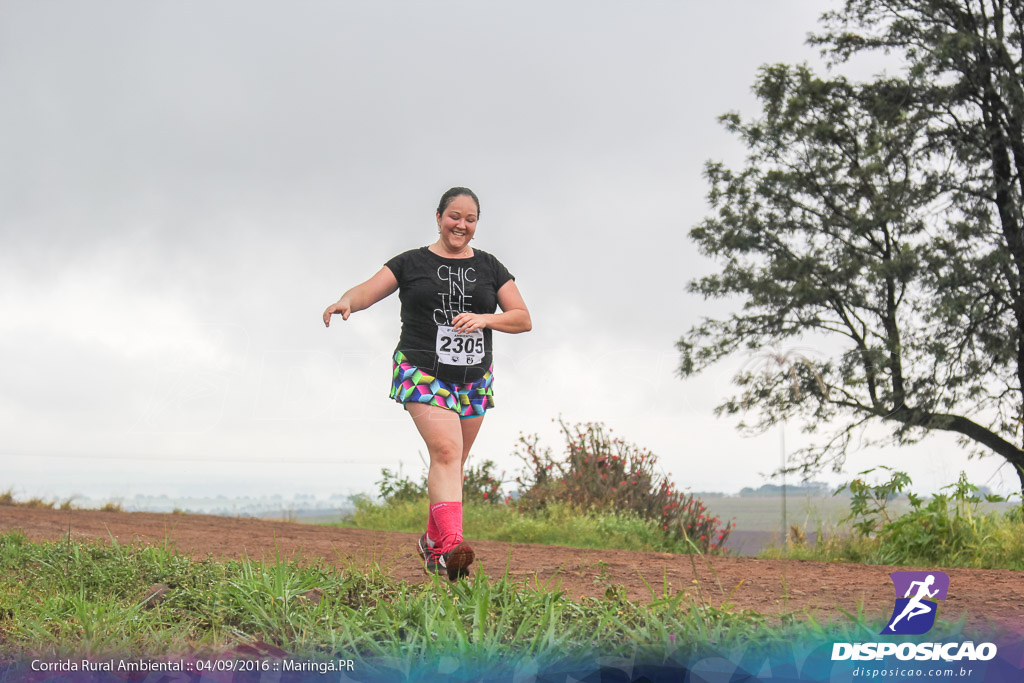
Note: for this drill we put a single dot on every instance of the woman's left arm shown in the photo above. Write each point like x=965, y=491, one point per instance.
x=514, y=316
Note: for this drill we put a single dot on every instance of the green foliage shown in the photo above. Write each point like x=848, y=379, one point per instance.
x=868, y=502
x=600, y=476
x=82, y=599
x=600, y=472
x=395, y=515
x=480, y=484
x=393, y=487
x=946, y=530
x=262, y=598
x=556, y=523
x=943, y=530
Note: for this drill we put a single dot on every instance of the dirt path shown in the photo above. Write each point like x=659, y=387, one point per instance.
x=991, y=598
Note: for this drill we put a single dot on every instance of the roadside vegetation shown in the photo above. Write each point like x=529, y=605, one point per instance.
x=946, y=530
x=886, y=524
x=555, y=524
x=604, y=493
x=600, y=492
x=7, y=498
x=95, y=599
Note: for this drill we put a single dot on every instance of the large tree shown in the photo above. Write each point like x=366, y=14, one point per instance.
x=882, y=222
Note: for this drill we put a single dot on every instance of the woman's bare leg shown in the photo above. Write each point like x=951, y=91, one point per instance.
x=442, y=434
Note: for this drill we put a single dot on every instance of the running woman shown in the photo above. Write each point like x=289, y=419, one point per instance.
x=442, y=369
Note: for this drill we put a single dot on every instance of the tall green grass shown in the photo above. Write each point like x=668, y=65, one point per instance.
x=84, y=599
x=947, y=530
x=995, y=542
x=555, y=524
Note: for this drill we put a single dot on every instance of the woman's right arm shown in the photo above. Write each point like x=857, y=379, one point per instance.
x=363, y=296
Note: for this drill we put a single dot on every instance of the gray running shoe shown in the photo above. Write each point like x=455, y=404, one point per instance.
x=423, y=547
x=454, y=563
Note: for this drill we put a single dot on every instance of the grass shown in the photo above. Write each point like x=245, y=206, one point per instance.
x=988, y=538
x=996, y=542
x=70, y=598
x=959, y=529
x=7, y=498
x=556, y=524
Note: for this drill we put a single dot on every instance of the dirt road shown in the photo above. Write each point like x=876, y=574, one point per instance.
x=990, y=598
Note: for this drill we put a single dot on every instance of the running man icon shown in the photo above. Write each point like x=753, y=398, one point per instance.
x=919, y=600
x=914, y=607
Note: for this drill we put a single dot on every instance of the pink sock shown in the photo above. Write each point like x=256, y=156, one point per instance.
x=433, y=533
x=448, y=517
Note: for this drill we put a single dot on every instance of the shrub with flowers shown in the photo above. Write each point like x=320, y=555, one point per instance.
x=481, y=485
x=599, y=471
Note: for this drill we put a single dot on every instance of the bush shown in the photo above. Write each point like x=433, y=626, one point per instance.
x=479, y=485
x=945, y=531
x=600, y=472
x=947, y=527
x=395, y=488
x=869, y=503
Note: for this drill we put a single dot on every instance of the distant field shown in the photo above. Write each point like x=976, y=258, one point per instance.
x=765, y=514
x=306, y=516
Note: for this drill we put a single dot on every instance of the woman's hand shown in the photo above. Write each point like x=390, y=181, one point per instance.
x=363, y=296
x=469, y=322
x=341, y=306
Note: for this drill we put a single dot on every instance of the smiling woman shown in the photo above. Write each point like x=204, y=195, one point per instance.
x=442, y=371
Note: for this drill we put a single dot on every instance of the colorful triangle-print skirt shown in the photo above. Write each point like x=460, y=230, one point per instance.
x=409, y=384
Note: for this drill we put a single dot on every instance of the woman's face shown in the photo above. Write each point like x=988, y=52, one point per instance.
x=458, y=223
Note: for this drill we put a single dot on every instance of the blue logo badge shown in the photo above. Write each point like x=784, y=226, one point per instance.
x=914, y=613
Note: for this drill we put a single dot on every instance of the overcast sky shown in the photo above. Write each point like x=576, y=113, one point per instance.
x=184, y=187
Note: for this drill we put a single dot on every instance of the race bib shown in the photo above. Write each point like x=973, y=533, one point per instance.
x=459, y=348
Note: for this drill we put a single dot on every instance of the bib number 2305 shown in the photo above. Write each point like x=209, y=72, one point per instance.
x=459, y=348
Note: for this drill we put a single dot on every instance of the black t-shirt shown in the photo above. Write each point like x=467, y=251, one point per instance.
x=434, y=289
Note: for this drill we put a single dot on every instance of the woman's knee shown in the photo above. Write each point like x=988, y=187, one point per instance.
x=445, y=452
